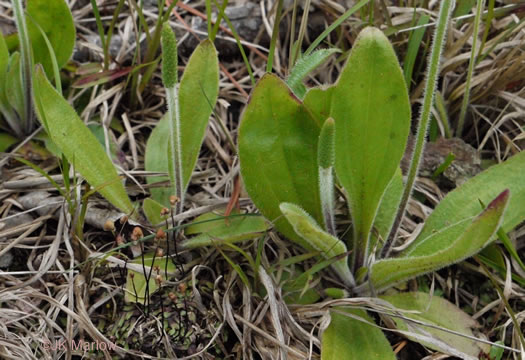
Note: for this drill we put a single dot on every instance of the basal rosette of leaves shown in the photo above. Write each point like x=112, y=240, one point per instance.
x=291, y=160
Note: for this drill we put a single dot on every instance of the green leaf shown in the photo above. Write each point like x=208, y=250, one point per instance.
x=13, y=84
x=233, y=229
x=278, y=154
x=298, y=292
x=198, y=91
x=441, y=313
x=371, y=109
x=328, y=246
x=152, y=210
x=467, y=238
x=414, y=42
x=4, y=62
x=136, y=284
x=348, y=338
x=318, y=101
x=77, y=142
x=6, y=141
x=463, y=202
x=155, y=160
x=387, y=208
x=54, y=17
x=199, y=88
x=304, y=66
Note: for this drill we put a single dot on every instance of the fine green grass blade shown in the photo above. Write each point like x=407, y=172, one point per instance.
x=372, y=120
x=441, y=313
x=349, y=338
x=54, y=17
x=334, y=25
x=416, y=37
x=304, y=66
x=77, y=143
x=328, y=246
x=431, y=253
x=278, y=154
x=472, y=63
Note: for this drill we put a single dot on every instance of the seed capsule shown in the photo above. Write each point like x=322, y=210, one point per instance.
x=109, y=225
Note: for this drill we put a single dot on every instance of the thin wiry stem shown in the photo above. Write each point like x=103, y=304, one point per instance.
x=430, y=89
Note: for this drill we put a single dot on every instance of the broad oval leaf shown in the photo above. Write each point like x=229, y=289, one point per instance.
x=440, y=313
x=464, y=201
x=468, y=237
x=371, y=109
x=329, y=246
x=349, y=338
x=77, y=142
x=198, y=92
x=55, y=19
x=278, y=154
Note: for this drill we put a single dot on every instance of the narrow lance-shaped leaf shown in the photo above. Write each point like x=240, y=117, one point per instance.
x=13, y=84
x=371, y=109
x=278, y=154
x=437, y=311
x=469, y=237
x=26, y=66
x=329, y=246
x=5, y=109
x=462, y=202
x=231, y=230
x=354, y=337
x=77, y=143
x=54, y=17
x=326, y=159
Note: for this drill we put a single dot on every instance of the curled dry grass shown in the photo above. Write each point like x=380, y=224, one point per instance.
x=55, y=289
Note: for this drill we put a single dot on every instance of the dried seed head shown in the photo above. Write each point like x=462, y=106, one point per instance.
x=119, y=240
x=173, y=200
x=164, y=212
x=160, y=234
x=137, y=234
x=182, y=287
x=158, y=279
x=123, y=219
x=156, y=268
x=109, y=225
x=172, y=297
x=160, y=252
x=132, y=274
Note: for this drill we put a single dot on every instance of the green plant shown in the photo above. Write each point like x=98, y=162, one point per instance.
x=286, y=146
x=46, y=35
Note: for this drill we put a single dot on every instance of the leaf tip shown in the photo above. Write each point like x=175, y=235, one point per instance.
x=500, y=200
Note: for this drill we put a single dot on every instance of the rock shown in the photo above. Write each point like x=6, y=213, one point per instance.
x=467, y=162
